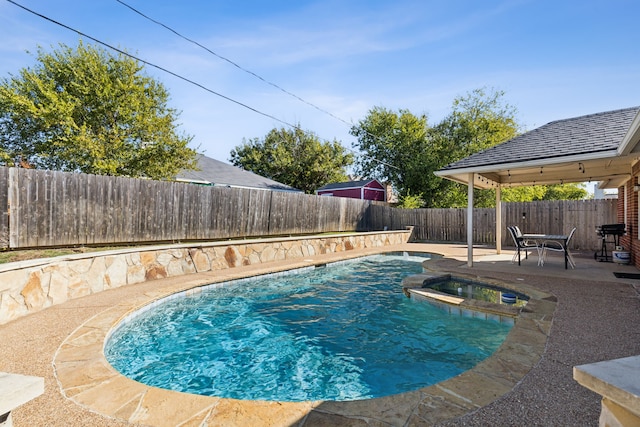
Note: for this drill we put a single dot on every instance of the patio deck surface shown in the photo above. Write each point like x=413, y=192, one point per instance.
x=596, y=318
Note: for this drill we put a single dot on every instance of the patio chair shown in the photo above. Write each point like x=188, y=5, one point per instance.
x=521, y=245
x=519, y=236
x=557, y=247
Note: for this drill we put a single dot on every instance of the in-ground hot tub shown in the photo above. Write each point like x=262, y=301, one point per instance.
x=465, y=295
x=469, y=289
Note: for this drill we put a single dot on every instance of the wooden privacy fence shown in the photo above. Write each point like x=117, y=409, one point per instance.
x=546, y=217
x=47, y=208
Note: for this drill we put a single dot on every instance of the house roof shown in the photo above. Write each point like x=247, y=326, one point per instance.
x=571, y=150
x=214, y=172
x=347, y=184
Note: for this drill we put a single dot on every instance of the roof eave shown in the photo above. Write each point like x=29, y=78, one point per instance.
x=606, y=165
x=529, y=163
x=631, y=138
x=194, y=181
x=336, y=186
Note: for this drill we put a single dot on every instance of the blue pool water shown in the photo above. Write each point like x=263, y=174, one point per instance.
x=342, y=332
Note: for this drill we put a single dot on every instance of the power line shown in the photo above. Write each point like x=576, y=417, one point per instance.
x=263, y=80
x=233, y=63
x=199, y=85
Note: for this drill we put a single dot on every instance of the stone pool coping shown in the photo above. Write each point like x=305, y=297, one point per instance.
x=85, y=377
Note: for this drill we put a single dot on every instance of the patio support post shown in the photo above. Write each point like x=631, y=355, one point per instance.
x=470, y=220
x=498, y=219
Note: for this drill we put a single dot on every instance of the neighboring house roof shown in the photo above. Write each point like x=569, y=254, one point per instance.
x=596, y=147
x=347, y=185
x=214, y=172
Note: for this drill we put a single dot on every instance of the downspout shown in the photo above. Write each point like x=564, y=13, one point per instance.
x=470, y=220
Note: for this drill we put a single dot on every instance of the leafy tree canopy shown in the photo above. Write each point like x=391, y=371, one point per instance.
x=396, y=147
x=295, y=158
x=84, y=110
x=402, y=148
x=478, y=120
x=410, y=201
x=545, y=192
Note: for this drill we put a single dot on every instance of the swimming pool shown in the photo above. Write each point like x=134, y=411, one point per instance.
x=342, y=332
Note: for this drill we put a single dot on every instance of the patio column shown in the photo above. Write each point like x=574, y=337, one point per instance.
x=498, y=219
x=470, y=220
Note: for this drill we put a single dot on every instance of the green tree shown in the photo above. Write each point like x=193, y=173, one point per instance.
x=295, y=158
x=395, y=147
x=403, y=149
x=84, y=110
x=545, y=192
x=479, y=120
x=410, y=201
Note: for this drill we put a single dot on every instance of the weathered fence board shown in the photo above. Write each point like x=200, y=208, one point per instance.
x=4, y=208
x=259, y=211
x=559, y=217
x=45, y=208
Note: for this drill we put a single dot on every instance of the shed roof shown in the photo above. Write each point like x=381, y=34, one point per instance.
x=215, y=172
x=347, y=184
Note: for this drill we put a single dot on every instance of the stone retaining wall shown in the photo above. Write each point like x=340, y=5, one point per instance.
x=30, y=286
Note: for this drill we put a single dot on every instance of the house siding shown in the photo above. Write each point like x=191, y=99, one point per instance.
x=373, y=190
x=353, y=193
x=374, y=194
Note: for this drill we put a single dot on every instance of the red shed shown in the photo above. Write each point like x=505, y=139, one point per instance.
x=367, y=189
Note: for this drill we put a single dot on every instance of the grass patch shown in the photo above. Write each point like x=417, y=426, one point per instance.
x=24, y=255
x=28, y=254
x=7, y=256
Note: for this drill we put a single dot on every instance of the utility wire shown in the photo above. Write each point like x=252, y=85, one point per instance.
x=201, y=86
x=263, y=80
x=154, y=66
x=233, y=63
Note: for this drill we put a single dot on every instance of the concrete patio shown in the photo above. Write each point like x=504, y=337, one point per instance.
x=596, y=318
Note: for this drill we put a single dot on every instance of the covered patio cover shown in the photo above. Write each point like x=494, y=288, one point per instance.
x=600, y=147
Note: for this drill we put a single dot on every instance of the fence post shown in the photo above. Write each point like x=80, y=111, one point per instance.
x=14, y=208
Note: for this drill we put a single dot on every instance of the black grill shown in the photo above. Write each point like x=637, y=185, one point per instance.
x=610, y=229
x=605, y=230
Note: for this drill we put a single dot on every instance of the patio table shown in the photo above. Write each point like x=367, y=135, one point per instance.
x=540, y=239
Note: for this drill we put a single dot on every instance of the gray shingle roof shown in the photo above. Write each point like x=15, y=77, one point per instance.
x=220, y=173
x=580, y=135
x=347, y=184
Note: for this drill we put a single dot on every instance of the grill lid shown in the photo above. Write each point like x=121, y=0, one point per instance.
x=617, y=229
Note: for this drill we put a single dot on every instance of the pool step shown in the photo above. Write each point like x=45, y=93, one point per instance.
x=449, y=299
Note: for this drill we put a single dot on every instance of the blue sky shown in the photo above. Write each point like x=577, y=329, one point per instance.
x=554, y=59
